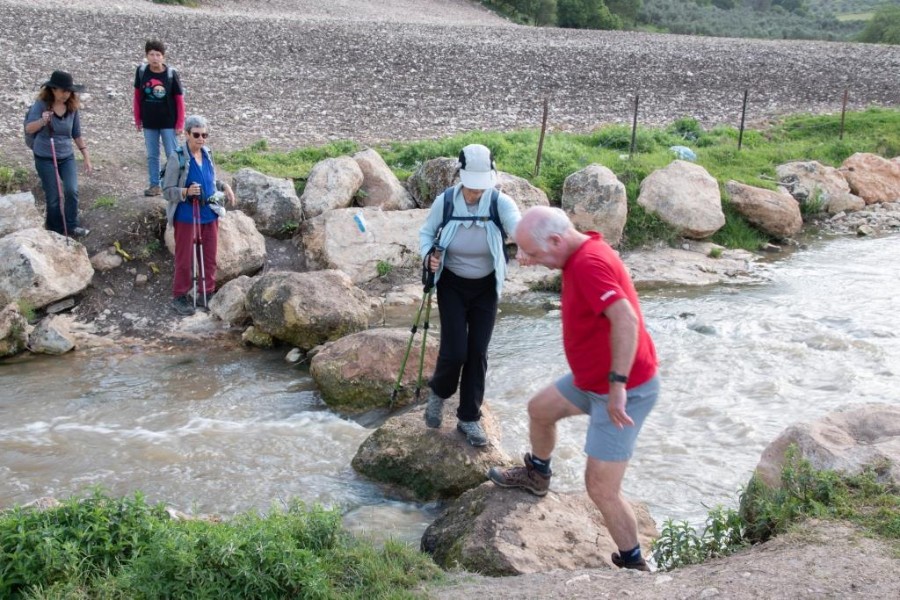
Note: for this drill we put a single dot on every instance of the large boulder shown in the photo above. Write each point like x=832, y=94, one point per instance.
x=813, y=184
x=307, y=309
x=241, y=248
x=17, y=212
x=41, y=267
x=428, y=464
x=873, y=178
x=692, y=265
x=331, y=184
x=850, y=440
x=521, y=191
x=358, y=372
x=431, y=178
x=497, y=532
x=271, y=202
x=596, y=201
x=776, y=214
x=380, y=187
x=333, y=241
x=13, y=330
x=686, y=197
x=229, y=304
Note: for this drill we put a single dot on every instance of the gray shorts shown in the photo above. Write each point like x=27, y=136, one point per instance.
x=604, y=440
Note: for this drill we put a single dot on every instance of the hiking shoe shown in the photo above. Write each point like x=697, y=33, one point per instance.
x=201, y=303
x=434, y=411
x=474, y=432
x=638, y=565
x=183, y=305
x=153, y=190
x=80, y=232
x=528, y=478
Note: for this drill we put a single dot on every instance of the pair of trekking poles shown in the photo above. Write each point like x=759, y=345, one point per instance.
x=59, y=186
x=428, y=289
x=198, y=268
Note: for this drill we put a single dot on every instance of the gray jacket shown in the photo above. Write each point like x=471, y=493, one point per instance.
x=176, y=177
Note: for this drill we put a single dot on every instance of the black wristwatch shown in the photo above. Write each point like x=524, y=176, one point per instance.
x=616, y=378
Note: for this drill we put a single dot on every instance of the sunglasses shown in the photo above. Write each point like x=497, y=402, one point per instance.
x=197, y=135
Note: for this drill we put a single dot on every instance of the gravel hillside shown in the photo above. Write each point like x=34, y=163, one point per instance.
x=306, y=72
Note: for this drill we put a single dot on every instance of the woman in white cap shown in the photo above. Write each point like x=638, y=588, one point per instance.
x=464, y=247
x=53, y=132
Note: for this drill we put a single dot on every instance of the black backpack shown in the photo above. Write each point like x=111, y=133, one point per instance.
x=494, y=212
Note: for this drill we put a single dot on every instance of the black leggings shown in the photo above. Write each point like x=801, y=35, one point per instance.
x=468, y=308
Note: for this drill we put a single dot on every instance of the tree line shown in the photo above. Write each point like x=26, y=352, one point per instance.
x=778, y=19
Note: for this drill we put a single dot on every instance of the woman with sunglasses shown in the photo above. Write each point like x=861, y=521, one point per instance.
x=190, y=186
x=53, y=131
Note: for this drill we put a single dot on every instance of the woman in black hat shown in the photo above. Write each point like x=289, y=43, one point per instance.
x=53, y=131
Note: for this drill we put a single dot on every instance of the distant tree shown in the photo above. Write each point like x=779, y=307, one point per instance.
x=798, y=7
x=585, y=14
x=726, y=4
x=884, y=28
x=627, y=10
x=545, y=12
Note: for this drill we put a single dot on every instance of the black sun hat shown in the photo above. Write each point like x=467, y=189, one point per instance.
x=63, y=81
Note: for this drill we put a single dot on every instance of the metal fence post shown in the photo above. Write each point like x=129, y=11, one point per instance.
x=634, y=126
x=540, y=149
x=743, y=118
x=843, y=113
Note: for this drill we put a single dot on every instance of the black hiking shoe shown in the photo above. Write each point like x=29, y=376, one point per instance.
x=183, y=306
x=528, y=478
x=638, y=565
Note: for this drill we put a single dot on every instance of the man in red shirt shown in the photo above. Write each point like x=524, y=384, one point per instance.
x=613, y=377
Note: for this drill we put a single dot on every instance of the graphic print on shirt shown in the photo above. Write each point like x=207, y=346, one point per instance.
x=154, y=90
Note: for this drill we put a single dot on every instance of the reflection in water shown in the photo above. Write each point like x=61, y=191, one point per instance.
x=228, y=431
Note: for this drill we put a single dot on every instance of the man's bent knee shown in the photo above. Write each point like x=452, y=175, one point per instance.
x=549, y=406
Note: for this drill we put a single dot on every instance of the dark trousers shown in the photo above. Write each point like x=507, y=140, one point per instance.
x=468, y=309
x=68, y=173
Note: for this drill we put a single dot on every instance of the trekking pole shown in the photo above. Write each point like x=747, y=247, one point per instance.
x=200, y=257
x=59, y=188
x=195, y=217
x=429, y=288
x=415, y=326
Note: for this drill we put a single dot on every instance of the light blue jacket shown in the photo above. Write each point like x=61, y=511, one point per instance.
x=506, y=209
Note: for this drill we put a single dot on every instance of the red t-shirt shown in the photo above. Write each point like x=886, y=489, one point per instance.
x=593, y=278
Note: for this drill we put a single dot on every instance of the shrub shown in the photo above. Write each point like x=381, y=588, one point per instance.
x=884, y=27
x=585, y=14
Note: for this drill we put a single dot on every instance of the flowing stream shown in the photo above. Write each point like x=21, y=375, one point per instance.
x=222, y=432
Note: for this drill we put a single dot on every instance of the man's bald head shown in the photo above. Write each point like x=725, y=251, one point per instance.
x=545, y=236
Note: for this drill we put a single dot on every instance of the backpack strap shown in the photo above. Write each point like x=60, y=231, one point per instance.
x=494, y=213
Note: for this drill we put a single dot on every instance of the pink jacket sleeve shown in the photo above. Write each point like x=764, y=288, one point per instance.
x=179, y=112
x=137, y=107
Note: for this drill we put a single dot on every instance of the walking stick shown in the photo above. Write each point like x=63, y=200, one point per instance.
x=59, y=188
x=426, y=305
x=200, y=258
x=195, y=218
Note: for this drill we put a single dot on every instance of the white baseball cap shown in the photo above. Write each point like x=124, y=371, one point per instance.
x=476, y=167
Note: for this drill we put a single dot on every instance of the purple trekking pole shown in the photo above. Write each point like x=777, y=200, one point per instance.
x=59, y=188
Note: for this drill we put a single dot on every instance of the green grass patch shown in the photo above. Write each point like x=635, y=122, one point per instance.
x=103, y=547
x=105, y=202
x=799, y=137
x=13, y=180
x=861, y=16
x=765, y=512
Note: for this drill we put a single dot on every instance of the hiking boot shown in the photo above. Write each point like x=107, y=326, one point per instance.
x=638, y=565
x=200, y=301
x=80, y=232
x=183, y=305
x=474, y=432
x=434, y=411
x=528, y=478
x=153, y=190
